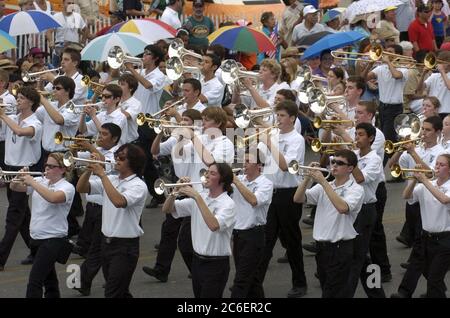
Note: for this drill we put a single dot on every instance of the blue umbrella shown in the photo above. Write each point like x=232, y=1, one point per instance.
x=27, y=22
x=332, y=42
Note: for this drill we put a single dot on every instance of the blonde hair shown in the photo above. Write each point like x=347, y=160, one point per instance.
x=273, y=66
x=59, y=158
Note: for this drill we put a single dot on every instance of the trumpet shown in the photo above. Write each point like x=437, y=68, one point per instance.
x=87, y=82
x=10, y=109
x=431, y=61
x=15, y=176
x=176, y=49
x=175, y=68
x=78, y=109
x=317, y=145
x=391, y=147
x=180, y=101
x=319, y=101
x=408, y=125
x=142, y=118
x=117, y=58
x=166, y=128
x=318, y=122
x=231, y=73
x=244, y=116
x=69, y=160
x=169, y=188
x=60, y=138
x=397, y=171
x=32, y=77
x=242, y=142
x=295, y=168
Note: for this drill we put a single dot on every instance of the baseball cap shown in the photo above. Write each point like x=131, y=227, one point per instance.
x=196, y=3
x=309, y=9
x=390, y=8
x=37, y=51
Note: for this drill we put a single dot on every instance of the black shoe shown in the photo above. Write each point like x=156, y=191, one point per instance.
x=385, y=278
x=308, y=221
x=403, y=240
x=77, y=249
x=153, y=272
x=283, y=259
x=399, y=295
x=297, y=292
x=83, y=291
x=310, y=247
x=404, y=265
x=28, y=260
x=156, y=246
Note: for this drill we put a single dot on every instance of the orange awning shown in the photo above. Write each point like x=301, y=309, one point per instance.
x=325, y=4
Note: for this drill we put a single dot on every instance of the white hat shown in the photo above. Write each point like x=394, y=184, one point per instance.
x=309, y=9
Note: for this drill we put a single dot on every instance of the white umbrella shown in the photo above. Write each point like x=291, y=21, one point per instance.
x=368, y=6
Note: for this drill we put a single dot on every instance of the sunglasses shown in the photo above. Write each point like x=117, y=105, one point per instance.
x=47, y=165
x=58, y=88
x=106, y=96
x=339, y=162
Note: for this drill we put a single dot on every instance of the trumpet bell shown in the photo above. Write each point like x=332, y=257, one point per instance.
x=430, y=61
x=389, y=147
x=293, y=167
x=304, y=90
x=396, y=171
x=85, y=80
x=159, y=186
x=241, y=117
x=230, y=71
x=174, y=68
x=141, y=118
x=316, y=145
x=68, y=159
x=376, y=52
x=317, y=101
x=59, y=138
x=115, y=57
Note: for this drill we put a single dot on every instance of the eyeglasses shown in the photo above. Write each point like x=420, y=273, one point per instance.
x=58, y=88
x=339, y=162
x=106, y=96
x=47, y=165
x=120, y=157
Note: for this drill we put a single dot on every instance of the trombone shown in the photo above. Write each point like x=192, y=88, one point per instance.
x=397, y=171
x=170, y=188
x=242, y=142
x=78, y=109
x=175, y=68
x=117, y=58
x=295, y=168
x=69, y=160
x=15, y=176
x=244, y=116
x=177, y=49
x=391, y=147
x=10, y=109
x=317, y=145
x=142, y=118
x=319, y=122
x=431, y=61
x=96, y=87
x=60, y=138
x=375, y=54
x=32, y=77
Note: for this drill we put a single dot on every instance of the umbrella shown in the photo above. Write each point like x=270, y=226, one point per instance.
x=7, y=42
x=330, y=15
x=311, y=38
x=27, y=22
x=332, y=42
x=151, y=29
x=242, y=39
x=368, y=6
x=97, y=49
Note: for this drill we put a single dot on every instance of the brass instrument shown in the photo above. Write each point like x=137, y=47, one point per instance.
x=96, y=87
x=243, y=116
x=295, y=168
x=10, y=109
x=166, y=129
x=175, y=68
x=32, y=77
x=78, y=109
x=397, y=171
x=15, y=176
x=242, y=142
x=408, y=125
x=177, y=49
x=232, y=74
x=162, y=187
x=117, y=58
x=375, y=54
x=317, y=145
x=69, y=160
x=180, y=101
x=142, y=118
x=431, y=61
x=319, y=122
x=391, y=147
x=60, y=138
x=319, y=101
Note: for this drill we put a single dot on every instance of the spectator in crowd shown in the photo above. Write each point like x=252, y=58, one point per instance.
x=439, y=22
x=291, y=17
x=309, y=25
x=199, y=26
x=420, y=31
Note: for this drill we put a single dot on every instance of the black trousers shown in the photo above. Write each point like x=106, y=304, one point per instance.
x=43, y=272
x=282, y=221
x=93, y=261
x=364, y=224
x=404, y=36
x=18, y=218
x=388, y=112
x=90, y=218
x=436, y=251
x=145, y=140
x=173, y=230
x=412, y=228
x=119, y=260
x=248, y=247
x=209, y=275
x=377, y=246
x=334, y=265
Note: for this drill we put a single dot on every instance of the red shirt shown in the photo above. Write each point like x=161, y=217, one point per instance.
x=422, y=34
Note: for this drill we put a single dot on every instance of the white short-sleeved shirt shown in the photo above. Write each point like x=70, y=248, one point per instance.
x=292, y=146
x=49, y=220
x=181, y=168
x=248, y=216
x=69, y=128
x=122, y=222
x=428, y=156
x=133, y=107
x=371, y=167
x=80, y=91
x=391, y=89
x=329, y=224
x=435, y=215
x=23, y=151
x=149, y=98
x=70, y=25
x=437, y=88
x=7, y=99
x=170, y=16
x=198, y=106
x=115, y=117
x=204, y=241
x=300, y=31
x=213, y=91
x=266, y=94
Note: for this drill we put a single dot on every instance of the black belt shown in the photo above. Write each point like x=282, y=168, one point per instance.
x=110, y=240
x=436, y=236
x=211, y=258
x=332, y=244
x=254, y=228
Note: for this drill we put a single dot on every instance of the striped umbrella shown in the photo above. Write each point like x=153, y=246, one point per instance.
x=27, y=22
x=150, y=29
x=242, y=39
x=7, y=42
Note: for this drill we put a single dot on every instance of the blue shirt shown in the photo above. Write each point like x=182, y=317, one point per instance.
x=438, y=22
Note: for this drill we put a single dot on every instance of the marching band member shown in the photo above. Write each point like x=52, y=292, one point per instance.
x=130, y=105
x=212, y=218
x=212, y=88
x=6, y=98
x=123, y=201
x=192, y=89
x=445, y=140
x=283, y=215
x=252, y=194
x=51, y=199
x=338, y=203
x=112, y=113
x=23, y=144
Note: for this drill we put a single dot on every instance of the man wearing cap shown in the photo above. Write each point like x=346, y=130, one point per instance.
x=198, y=25
x=37, y=56
x=170, y=14
x=420, y=31
x=308, y=26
